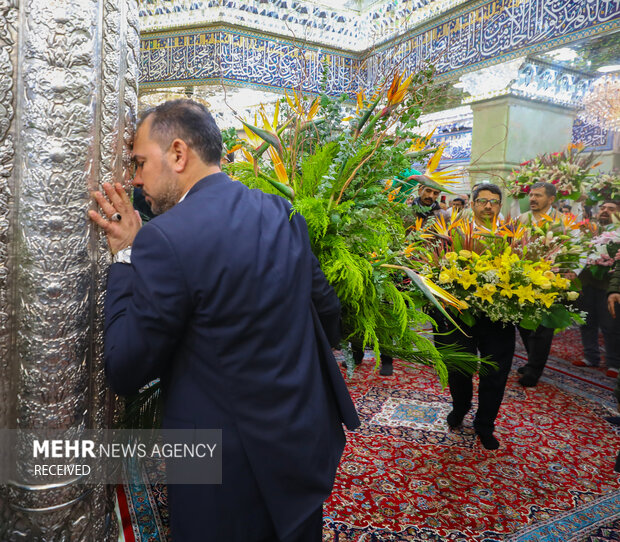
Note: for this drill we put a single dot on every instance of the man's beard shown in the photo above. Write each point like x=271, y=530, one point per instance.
x=604, y=219
x=168, y=198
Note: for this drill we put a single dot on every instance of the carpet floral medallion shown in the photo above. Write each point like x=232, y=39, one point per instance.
x=405, y=476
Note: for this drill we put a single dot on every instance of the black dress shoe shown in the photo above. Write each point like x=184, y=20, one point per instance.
x=386, y=369
x=355, y=362
x=528, y=381
x=488, y=441
x=521, y=370
x=614, y=420
x=455, y=419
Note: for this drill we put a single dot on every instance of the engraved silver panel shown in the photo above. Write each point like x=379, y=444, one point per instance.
x=69, y=70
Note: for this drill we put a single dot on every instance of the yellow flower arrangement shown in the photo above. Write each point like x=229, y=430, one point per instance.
x=496, y=281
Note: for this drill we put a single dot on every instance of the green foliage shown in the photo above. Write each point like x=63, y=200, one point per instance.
x=315, y=167
x=244, y=172
x=337, y=170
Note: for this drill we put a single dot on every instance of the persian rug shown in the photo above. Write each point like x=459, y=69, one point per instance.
x=143, y=511
x=405, y=476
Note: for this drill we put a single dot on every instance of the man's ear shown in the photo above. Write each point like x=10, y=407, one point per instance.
x=179, y=155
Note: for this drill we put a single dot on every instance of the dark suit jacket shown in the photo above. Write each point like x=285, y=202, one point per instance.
x=224, y=302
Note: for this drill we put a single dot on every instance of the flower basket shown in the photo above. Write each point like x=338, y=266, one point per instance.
x=604, y=252
x=508, y=272
x=567, y=170
x=604, y=187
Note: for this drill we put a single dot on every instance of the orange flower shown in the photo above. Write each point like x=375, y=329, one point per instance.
x=393, y=194
x=278, y=166
x=398, y=89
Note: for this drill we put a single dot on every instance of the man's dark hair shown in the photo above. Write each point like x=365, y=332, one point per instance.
x=459, y=199
x=189, y=121
x=612, y=201
x=550, y=189
x=486, y=186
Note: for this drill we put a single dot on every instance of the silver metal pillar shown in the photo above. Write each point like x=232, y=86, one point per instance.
x=68, y=95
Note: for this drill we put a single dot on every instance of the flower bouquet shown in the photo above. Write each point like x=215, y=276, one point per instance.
x=489, y=272
x=567, y=170
x=333, y=170
x=557, y=241
x=603, y=187
x=604, y=252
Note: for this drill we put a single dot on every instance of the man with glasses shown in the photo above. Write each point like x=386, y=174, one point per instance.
x=486, y=204
x=494, y=340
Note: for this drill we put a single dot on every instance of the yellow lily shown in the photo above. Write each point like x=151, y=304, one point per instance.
x=506, y=289
x=525, y=293
x=561, y=282
x=548, y=298
x=451, y=274
x=482, y=266
x=486, y=292
x=467, y=279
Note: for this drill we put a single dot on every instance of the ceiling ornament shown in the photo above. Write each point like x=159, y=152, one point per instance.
x=530, y=78
x=345, y=27
x=226, y=104
x=601, y=105
x=491, y=81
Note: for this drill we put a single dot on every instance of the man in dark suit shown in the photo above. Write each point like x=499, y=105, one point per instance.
x=494, y=340
x=221, y=297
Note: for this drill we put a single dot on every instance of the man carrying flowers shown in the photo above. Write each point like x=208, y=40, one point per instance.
x=537, y=341
x=425, y=205
x=494, y=340
x=541, y=196
x=595, y=281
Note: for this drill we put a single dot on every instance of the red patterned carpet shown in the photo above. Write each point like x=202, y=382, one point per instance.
x=405, y=476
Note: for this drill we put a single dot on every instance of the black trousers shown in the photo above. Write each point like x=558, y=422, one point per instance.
x=358, y=356
x=594, y=302
x=310, y=530
x=538, y=345
x=492, y=340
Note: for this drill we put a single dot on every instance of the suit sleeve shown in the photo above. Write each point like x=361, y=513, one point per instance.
x=326, y=303
x=146, y=309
